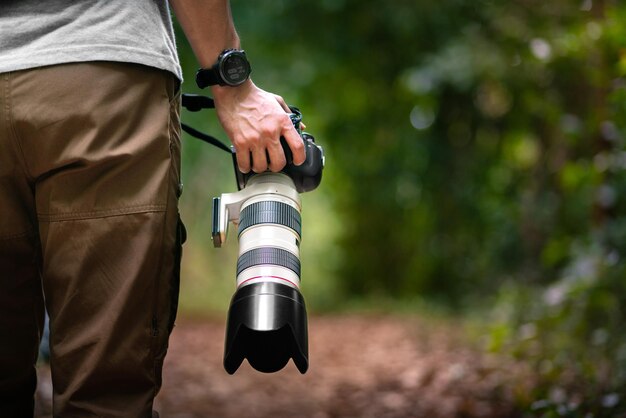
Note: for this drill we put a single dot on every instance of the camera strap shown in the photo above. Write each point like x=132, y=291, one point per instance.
x=195, y=103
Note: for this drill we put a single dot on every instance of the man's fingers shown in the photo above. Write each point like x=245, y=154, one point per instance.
x=255, y=123
x=295, y=143
x=259, y=160
x=243, y=160
x=277, y=156
x=257, y=145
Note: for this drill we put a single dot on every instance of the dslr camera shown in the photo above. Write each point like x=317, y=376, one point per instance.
x=267, y=320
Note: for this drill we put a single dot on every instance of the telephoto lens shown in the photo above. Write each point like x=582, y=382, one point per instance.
x=267, y=320
x=267, y=316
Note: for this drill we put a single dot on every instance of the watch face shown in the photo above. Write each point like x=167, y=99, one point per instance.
x=235, y=69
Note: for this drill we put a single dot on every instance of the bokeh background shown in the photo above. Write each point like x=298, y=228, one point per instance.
x=476, y=171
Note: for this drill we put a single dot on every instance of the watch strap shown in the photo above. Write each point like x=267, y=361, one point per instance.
x=208, y=76
x=214, y=75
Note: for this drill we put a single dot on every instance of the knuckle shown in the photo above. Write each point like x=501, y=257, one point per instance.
x=267, y=129
x=286, y=121
x=240, y=143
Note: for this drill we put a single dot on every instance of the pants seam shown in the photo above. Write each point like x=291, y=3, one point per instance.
x=72, y=216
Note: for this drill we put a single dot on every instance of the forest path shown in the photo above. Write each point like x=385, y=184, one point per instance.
x=360, y=366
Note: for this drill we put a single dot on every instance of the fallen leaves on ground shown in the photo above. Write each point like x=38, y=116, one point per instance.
x=360, y=366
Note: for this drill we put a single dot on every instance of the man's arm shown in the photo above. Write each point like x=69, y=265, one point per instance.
x=253, y=119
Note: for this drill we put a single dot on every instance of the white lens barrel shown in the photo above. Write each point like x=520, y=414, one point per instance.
x=267, y=316
x=269, y=235
x=269, y=240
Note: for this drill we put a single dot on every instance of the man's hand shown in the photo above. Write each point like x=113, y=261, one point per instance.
x=254, y=120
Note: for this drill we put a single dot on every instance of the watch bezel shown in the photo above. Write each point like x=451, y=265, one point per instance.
x=223, y=60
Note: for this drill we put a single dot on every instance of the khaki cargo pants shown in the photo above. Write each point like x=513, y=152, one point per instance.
x=89, y=184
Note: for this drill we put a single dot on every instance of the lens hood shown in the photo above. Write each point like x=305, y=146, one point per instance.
x=267, y=325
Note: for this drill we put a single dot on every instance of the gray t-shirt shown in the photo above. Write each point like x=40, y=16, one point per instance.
x=36, y=33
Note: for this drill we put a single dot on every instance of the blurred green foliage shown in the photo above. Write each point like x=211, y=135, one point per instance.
x=475, y=152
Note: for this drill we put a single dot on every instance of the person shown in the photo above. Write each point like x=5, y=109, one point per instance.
x=89, y=189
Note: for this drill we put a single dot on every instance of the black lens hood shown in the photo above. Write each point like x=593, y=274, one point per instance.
x=267, y=324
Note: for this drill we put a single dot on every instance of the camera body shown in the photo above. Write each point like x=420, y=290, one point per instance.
x=307, y=176
x=267, y=317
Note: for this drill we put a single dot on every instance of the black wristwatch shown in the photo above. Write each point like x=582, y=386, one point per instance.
x=231, y=69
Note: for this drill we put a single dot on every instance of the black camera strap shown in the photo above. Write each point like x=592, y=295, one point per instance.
x=195, y=103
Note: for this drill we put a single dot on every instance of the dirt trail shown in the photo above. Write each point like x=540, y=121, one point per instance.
x=378, y=367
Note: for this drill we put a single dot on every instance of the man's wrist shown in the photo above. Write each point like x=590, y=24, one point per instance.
x=218, y=92
x=231, y=68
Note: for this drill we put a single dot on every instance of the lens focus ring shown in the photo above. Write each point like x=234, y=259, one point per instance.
x=270, y=212
x=268, y=256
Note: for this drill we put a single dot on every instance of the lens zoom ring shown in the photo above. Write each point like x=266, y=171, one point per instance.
x=270, y=212
x=268, y=255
